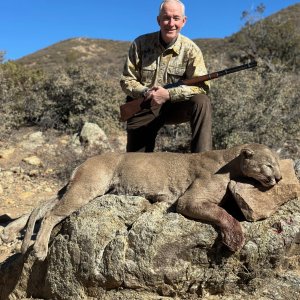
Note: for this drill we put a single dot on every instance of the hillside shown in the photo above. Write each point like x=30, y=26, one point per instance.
x=105, y=55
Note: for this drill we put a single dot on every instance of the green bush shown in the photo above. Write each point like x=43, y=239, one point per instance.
x=17, y=86
x=64, y=99
x=76, y=95
x=260, y=106
x=2, y=53
x=256, y=106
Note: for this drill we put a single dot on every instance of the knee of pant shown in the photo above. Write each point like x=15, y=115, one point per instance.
x=200, y=99
x=201, y=102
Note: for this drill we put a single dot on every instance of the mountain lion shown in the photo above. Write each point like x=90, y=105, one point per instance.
x=195, y=183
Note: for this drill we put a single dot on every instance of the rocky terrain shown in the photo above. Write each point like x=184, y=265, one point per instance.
x=135, y=250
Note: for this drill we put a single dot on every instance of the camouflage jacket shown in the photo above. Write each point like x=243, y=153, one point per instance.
x=150, y=64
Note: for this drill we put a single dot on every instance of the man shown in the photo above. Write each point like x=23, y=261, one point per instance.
x=161, y=58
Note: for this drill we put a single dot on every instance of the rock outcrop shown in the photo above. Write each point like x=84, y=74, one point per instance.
x=120, y=247
x=257, y=203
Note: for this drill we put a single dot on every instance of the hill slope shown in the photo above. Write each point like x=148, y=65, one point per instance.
x=106, y=55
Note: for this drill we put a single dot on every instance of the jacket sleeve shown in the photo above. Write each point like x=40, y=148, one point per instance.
x=130, y=79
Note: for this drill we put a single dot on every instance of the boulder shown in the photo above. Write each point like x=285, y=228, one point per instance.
x=92, y=135
x=258, y=203
x=119, y=247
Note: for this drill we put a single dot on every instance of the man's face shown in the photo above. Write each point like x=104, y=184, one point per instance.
x=171, y=20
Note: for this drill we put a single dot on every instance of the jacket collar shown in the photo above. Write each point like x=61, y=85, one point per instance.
x=175, y=46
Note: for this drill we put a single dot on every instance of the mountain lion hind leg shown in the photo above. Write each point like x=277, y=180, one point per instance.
x=13, y=229
x=37, y=214
x=83, y=187
x=201, y=202
x=64, y=208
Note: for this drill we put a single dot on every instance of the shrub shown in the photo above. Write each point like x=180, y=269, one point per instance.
x=17, y=86
x=64, y=99
x=257, y=106
x=76, y=95
x=260, y=106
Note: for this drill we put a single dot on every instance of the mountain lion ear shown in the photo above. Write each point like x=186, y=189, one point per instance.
x=247, y=152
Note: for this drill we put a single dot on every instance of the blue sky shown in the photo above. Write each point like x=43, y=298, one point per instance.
x=30, y=25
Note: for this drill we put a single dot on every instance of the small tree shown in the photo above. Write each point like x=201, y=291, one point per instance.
x=2, y=54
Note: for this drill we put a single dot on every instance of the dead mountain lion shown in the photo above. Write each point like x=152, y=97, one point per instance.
x=195, y=182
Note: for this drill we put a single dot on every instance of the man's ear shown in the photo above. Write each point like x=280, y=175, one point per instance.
x=247, y=152
x=158, y=20
x=184, y=20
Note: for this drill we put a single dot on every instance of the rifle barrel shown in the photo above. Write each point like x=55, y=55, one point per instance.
x=237, y=68
x=210, y=76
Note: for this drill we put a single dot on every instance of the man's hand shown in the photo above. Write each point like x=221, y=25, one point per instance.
x=158, y=95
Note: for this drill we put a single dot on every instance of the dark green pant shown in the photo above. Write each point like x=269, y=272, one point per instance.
x=142, y=129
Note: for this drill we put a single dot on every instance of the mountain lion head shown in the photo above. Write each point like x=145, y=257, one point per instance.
x=261, y=164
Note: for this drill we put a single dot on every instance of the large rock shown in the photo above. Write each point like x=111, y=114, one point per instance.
x=258, y=203
x=92, y=135
x=120, y=247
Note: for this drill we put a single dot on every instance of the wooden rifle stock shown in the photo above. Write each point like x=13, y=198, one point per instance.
x=130, y=108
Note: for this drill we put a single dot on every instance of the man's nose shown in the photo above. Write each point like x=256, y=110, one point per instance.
x=171, y=22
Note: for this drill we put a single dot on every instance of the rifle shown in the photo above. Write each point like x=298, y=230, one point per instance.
x=130, y=108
